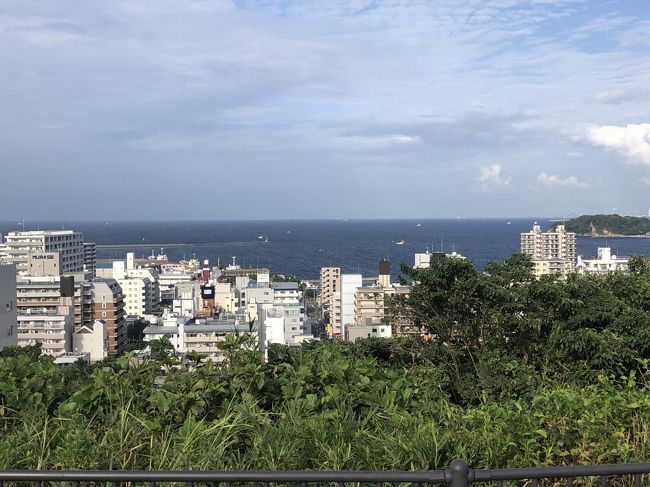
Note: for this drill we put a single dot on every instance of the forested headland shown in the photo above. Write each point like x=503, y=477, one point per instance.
x=514, y=372
x=608, y=225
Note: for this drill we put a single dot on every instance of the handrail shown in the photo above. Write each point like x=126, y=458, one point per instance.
x=459, y=474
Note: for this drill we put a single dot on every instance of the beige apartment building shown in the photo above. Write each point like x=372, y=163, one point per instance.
x=330, y=294
x=552, y=252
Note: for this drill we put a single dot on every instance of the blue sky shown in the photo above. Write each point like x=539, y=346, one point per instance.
x=323, y=109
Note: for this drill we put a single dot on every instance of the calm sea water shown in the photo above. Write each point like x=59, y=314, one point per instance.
x=303, y=247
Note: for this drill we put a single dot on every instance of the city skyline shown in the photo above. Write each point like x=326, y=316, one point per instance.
x=298, y=110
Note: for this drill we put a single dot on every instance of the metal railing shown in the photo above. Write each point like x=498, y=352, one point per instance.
x=459, y=474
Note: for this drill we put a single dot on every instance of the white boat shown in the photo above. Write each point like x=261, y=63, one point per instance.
x=418, y=225
x=260, y=237
x=400, y=242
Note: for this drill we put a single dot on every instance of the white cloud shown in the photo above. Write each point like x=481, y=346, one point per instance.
x=494, y=177
x=553, y=181
x=645, y=181
x=632, y=140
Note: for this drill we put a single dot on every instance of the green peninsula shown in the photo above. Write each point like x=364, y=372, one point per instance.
x=609, y=225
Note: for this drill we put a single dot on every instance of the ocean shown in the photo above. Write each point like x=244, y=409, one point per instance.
x=302, y=247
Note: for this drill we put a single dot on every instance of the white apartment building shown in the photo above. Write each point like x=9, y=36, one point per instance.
x=201, y=336
x=68, y=243
x=139, y=286
x=52, y=329
x=349, y=285
x=168, y=280
x=8, y=315
x=551, y=252
x=288, y=296
x=604, y=263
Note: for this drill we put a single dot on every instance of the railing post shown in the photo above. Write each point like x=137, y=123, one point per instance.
x=459, y=473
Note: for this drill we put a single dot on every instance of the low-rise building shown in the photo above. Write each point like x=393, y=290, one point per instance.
x=202, y=335
x=424, y=259
x=355, y=332
x=604, y=263
x=91, y=340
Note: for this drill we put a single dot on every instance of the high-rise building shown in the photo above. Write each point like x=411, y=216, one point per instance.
x=552, y=252
x=108, y=306
x=349, y=285
x=52, y=328
x=330, y=297
x=8, y=317
x=90, y=258
x=68, y=243
x=40, y=287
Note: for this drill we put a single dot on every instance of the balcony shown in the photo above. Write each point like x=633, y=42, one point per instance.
x=459, y=474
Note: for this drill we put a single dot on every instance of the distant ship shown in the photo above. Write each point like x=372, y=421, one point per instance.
x=260, y=237
x=400, y=242
x=418, y=225
x=509, y=223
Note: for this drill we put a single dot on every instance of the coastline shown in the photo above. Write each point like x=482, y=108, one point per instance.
x=588, y=235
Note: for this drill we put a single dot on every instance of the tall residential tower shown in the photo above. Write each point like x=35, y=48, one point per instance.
x=552, y=252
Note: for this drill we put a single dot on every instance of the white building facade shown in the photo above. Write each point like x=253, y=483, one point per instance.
x=349, y=285
x=604, y=263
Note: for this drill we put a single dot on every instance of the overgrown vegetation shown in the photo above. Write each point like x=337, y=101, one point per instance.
x=517, y=373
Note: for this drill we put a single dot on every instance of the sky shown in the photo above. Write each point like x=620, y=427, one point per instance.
x=323, y=109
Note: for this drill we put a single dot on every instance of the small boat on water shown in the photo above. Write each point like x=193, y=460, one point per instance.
x=418, y=225
x=260, y=237
x=400, y=242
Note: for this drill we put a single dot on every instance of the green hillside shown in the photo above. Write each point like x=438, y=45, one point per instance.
x=608, y=225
